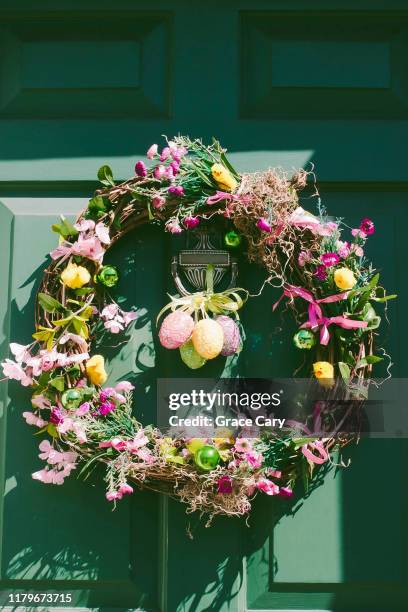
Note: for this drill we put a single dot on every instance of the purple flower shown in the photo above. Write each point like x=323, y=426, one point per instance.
x=56, y=416
x=321, y=273
x=176, y=190
x=329, y=259
x=263, y=225
x=224, y=484
x=367, y=226
x=191, y=222
x=140, y=169
x=106, y=407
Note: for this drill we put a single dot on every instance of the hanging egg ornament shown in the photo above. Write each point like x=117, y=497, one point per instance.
x=176, y=329
x=304, y=339
x=207, y=458
x=108, y=276
x=190, y=356
x=208, y=338
x=232, y=239
x=71, y=399
x=232, y=337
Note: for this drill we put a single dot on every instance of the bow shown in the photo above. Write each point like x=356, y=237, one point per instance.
x=316, y=317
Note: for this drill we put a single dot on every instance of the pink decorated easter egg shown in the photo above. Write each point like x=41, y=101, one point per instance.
x=208, y=338
x=232, y=337
x=176, y=329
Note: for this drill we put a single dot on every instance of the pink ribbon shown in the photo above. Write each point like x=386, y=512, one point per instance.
x=315, y=446
x=316, y=317
x=219, y=196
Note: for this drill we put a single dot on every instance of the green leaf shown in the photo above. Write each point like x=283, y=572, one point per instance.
x=48, y=303
x=105, y=175
x=58, y=383
x=369, y=360
x=344, y=370
x=83, y=291
x=385, y=298
x=98, y=203
x=65, y=228
x=374, y=359
x=227, y=164
x=80, y=327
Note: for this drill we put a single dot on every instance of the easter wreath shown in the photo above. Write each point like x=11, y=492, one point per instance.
x=327, y=282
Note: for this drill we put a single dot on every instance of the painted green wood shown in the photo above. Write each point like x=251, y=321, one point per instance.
x=279, y=84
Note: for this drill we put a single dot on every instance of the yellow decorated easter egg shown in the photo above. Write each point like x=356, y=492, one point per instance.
x=208, y=338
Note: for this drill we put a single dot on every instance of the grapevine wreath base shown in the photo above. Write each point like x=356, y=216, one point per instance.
x=326, y=281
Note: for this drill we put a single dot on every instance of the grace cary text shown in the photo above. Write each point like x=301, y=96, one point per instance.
x=223, y=421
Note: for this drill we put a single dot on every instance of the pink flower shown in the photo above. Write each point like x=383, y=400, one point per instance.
x=113, y=326
x=304, y=258
x=285, y=492
x=15, y=371
x=33, y=419
x=113, y=495
x=102, y=232
x=160, y=172
x=140, y=169
x=321, y=273
x=91, y=248
x=125, y=386
x=191, y=222
x=267, y=486
x=118, y=444
x=178, y=152
x=165, y=154
x=175, y=166
x=125, y=489
x=138, y=441
x=254, y=459
x=110, y=311
x=106, y=407
x=343, y=249
x=176, y=190
x=357, y=233
x=56, y=416
x=243, y=445
x=358, y=250
x=367, y=226
x=152, y=151
x=39, y=401
x=129, y=316
x=263, y=225
x=20, y=352
x=83, y=409
x=158, y=202
x=76, y=338
x=85, y=225
x=224, y=485
x=329, y=259
x=174, y=227
x=145, y=455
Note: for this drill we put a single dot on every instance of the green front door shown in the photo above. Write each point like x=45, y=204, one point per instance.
x=283, y=83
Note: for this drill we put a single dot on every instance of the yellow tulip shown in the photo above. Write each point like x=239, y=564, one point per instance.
x=324, y=372
x=95, y=369
x=223, y=177
x=75, y=276
x=344, y=278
